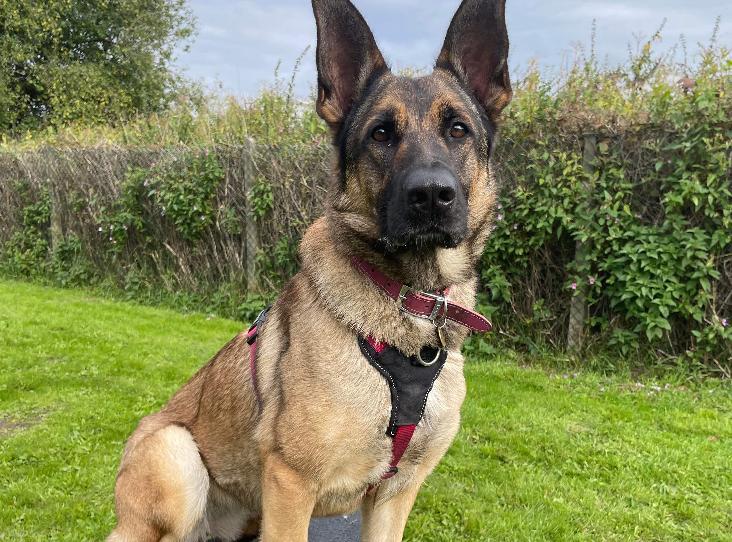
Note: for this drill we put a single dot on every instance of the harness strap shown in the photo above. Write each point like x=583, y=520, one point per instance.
x=409, y=384
x=404, y=433
x=399, y=445
x=252, y=336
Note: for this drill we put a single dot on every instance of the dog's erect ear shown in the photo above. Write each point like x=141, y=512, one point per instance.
x=347, y=57
x=476, y=51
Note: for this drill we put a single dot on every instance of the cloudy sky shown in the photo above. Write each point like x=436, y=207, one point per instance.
x=240, y=42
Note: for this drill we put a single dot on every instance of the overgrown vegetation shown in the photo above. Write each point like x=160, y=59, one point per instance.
x=616, y=188
x=624, y=196
x=275, y=118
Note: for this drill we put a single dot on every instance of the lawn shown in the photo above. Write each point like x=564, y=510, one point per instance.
x=541, y=455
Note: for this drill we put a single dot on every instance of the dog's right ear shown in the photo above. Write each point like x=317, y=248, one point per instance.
x=347, y=57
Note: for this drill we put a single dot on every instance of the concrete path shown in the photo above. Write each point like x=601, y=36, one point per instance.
x=337, y=529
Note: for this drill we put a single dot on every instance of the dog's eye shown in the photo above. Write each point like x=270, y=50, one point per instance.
x=382, y=134
x=458, y=130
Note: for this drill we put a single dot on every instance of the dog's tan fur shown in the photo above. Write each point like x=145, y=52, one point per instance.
x=211, y=464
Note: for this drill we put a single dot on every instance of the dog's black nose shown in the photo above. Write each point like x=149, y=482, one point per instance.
x=430, y=191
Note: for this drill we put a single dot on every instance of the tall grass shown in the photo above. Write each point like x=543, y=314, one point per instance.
x=585, y=95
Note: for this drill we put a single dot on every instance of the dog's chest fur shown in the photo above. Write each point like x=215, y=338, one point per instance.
x=325, y=409
x=330, y=408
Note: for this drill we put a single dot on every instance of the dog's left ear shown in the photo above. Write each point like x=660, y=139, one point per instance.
x=476, y=51
x=347, y=57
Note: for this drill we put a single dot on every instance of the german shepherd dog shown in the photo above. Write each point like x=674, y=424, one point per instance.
x=259, y=441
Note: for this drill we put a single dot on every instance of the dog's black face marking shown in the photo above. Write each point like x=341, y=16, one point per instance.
x=412, y=150
x=423, y=206
x=418, y=145
x=414, y=138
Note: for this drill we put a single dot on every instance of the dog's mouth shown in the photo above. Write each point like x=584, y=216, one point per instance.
x=421, y=240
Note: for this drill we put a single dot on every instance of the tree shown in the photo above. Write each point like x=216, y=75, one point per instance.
x=87, y=61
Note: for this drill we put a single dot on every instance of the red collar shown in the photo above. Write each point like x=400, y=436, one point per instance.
x=432, y=306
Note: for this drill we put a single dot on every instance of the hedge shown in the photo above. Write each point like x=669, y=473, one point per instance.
x=614, y=228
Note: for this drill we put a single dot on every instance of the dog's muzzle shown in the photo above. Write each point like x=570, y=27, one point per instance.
x=424, y=208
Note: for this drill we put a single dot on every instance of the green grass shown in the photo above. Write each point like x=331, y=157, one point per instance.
x=541, y=456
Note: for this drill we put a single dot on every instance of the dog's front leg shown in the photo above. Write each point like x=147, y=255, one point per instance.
x=385, y=522
x=288, y=499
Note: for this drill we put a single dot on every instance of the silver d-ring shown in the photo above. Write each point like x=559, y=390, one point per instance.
x=424, y=363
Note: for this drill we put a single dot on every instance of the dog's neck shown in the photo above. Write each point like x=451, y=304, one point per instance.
x=428, y=269
x=326, y=253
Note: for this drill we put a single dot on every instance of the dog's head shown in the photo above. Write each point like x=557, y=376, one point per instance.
x=413, y=152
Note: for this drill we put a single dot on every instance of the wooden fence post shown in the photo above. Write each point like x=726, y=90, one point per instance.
x=251, y=231
x=578, y=307
x=57, y=230
x=57, y=198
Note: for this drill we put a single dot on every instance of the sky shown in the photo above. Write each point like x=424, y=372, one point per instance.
x=241, y=42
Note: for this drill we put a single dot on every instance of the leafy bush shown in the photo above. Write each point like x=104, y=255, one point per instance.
x=619, y=190
x=185, y=194
x=616, y=192
x=25, y=253
x=181, y=190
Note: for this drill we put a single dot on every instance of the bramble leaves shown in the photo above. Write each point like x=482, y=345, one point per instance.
x=653, y=215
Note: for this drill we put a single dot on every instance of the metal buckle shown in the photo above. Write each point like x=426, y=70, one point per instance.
x=251, y=337
x=403, y=293
x=438, y=316
x=439, y=310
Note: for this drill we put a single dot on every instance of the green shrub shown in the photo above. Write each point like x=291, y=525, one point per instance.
x=25, y=253
x=181, y=190
x=185, y=194
x=650, y=206
x=615, y=189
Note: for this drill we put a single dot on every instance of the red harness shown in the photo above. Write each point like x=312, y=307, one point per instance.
x=432, y=306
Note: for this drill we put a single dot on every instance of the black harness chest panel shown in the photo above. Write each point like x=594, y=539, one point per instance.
x=409, y=381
